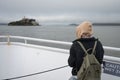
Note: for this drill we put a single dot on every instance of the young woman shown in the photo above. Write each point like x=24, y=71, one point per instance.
x=84, y=34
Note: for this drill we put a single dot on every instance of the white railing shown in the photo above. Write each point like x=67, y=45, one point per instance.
x=49, y=41
x=26, y=39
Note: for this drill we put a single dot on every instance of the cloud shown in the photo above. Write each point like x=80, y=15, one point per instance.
x=59, y=6
x=53, y=10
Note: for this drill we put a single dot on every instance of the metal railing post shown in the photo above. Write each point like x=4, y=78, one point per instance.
x=25, y=41
x=8, y=40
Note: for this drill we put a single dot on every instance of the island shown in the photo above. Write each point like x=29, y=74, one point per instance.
x=24, y=22
x=73, y=24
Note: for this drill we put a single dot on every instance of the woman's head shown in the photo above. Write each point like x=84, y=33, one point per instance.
x=84, y=30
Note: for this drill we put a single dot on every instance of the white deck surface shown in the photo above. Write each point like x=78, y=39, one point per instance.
x=18, y=60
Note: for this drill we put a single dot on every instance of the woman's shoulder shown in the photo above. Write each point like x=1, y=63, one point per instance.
x=86, y=39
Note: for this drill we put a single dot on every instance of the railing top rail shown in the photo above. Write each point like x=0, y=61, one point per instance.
x=53, y=41
x=109, y=58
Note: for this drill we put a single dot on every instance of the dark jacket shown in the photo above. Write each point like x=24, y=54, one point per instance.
x=76, y=52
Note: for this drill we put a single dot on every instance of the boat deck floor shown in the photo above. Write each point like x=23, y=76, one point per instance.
x=19, y=60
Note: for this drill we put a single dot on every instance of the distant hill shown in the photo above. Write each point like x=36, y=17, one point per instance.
x=3, y=23
x=73, y=24
x=99, y=24
x=110, y=24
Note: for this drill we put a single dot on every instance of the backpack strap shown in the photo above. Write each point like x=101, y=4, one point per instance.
x=94, y=48
x=83, y=47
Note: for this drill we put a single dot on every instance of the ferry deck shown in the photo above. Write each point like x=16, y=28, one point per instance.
x=24, y=61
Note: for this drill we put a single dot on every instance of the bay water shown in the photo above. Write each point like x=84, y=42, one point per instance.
x=108, y=35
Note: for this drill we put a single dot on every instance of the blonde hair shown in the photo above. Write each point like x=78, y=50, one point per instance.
x=84, y=27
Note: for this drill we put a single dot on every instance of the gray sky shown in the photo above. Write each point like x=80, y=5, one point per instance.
x=61, y=10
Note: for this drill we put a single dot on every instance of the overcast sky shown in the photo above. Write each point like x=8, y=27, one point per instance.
x=60, y=10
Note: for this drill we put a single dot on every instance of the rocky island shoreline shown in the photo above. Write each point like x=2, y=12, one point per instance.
x=24, y=22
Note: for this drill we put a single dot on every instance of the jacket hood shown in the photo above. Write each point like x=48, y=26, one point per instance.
x=86, y=39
